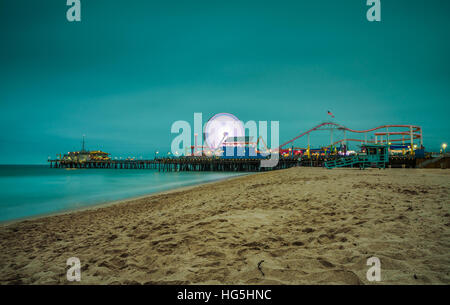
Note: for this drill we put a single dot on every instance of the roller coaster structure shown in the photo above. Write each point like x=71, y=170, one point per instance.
x=411, y=132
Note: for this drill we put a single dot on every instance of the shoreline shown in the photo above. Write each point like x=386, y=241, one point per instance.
x=114, y=202
x=134, y=198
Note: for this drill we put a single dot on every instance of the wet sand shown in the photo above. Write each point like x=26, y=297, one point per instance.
x=300, y=225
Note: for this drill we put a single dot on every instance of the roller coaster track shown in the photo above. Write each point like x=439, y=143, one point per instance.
x=414, y=132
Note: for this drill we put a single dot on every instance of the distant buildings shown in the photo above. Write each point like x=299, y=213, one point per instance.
x=84, y=155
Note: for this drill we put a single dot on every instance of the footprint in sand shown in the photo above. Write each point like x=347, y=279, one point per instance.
x=325, y=263
x=212, y=253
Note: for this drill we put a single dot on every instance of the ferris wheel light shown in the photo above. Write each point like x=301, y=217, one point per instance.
x=220, y=127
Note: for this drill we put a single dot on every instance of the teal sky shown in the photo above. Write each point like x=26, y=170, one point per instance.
x=129, y=69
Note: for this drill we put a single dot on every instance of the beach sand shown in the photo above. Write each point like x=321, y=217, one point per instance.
x=301, y=225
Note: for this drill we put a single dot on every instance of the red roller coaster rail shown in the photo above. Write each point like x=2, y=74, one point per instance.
x=412, y=131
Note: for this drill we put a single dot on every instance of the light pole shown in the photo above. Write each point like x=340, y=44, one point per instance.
x=444, y=146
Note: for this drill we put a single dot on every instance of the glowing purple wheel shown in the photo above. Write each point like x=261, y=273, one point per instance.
x=220, y=127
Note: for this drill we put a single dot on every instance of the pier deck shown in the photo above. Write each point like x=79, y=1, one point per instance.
x=178, y=164
x=219, y=164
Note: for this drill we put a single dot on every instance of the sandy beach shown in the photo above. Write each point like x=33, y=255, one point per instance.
x=300, y=225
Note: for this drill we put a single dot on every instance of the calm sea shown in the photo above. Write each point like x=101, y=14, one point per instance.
x=30, y=190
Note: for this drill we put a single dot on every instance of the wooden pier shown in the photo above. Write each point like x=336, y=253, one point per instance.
x=214, y=164
x=178, y=164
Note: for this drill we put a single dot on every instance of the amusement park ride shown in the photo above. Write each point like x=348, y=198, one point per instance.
x=377, y=144
x=410, y=136
x=383, y=135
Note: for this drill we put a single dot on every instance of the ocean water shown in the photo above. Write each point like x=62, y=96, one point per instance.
x=31, y=190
